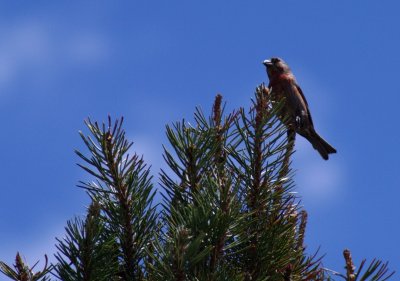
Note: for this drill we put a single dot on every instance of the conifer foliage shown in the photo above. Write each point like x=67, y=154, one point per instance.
x=229, y=210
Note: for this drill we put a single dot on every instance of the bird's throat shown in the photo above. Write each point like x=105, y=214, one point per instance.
x=281, y=77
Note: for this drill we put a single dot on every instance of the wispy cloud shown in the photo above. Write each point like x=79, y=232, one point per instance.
x=318, y=181
x=87, y=47
x=23, y=46
x=151, y=150
x=33, y=248
x=42, y=49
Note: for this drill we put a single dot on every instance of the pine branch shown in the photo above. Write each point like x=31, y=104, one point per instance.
x=124, y=191
x=376, y=271
x=229, y=210
x=22, y=272
x=260, y=159
x=88, y=252
x=201, y=202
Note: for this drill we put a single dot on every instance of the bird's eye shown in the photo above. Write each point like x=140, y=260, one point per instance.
x=274, y=60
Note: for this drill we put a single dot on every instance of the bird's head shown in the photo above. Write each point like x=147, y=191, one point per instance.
x=276, y=66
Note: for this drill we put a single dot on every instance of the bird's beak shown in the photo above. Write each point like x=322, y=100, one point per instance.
x=267, y=63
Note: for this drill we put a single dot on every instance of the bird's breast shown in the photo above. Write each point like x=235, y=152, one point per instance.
x=282, y=78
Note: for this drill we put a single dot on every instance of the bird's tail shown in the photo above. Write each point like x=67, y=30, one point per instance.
x=321, y=145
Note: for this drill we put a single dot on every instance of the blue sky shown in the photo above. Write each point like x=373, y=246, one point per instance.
x=154, y=61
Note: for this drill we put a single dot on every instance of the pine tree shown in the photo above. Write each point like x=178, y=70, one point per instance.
x=229, y=210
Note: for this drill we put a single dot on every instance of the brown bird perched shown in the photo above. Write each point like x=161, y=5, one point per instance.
x=283, y=85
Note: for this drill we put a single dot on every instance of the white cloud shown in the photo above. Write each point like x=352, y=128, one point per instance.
x=319, y=181
x=33, y=248
x=87, y=47
x=43, y=246
x=151, y=150
x=23, y=45
x=43, y=49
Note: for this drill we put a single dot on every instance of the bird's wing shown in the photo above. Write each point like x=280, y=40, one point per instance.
x=305, y=102
x=297, y=101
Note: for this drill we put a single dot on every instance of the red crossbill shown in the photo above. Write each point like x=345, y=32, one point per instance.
x=283, y=85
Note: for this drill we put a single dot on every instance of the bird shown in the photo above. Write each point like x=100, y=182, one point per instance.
x=283, y=86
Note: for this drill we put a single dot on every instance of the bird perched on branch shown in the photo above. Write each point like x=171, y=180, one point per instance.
x=283, y=85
